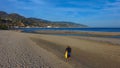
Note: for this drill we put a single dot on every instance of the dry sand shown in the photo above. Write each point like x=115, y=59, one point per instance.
x=18, y=51
x=24, y=50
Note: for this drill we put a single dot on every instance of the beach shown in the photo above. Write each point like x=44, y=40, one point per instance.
x=40, y=50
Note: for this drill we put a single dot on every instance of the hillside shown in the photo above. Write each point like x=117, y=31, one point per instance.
x=17, y=20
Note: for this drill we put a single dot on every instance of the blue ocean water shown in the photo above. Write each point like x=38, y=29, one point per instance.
x=72, y=29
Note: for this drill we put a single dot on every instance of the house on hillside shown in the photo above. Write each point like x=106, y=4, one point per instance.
x=49, y=26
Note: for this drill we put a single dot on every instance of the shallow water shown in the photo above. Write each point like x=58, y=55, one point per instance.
x=32, y=30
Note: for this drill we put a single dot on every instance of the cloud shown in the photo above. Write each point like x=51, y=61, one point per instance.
x=97, y=5
x=76, y=9
x=28, y=1
x=27, y=4
x=112, y=5
x=86, y=7
x=89, y=3
x=112, y=8
x=80, y=7
x=40, y=2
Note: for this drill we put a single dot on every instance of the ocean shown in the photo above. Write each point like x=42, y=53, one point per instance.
x=72, y=29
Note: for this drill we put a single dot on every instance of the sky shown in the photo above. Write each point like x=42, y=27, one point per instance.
x=94, y=13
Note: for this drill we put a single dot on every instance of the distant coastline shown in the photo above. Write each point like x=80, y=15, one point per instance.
x=13, y=20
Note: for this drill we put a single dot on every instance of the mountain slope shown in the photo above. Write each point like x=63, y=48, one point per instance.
x=17, y=20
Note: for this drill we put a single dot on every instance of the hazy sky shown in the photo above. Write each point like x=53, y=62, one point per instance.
x=94, y=13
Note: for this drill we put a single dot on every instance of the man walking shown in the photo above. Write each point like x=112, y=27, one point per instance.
x=68, y=53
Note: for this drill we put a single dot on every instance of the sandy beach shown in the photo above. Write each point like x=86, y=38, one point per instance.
x=17, y=50
x=27, y=50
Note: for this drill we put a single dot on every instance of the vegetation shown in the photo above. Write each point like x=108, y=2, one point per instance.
x=4, y=27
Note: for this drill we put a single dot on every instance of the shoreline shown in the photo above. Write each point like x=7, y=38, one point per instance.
x=102, y=37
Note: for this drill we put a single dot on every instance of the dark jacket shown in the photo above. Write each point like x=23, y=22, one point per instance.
x=68, y=49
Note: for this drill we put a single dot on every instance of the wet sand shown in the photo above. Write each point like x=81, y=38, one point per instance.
x=86, y=53
x=78, y=32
